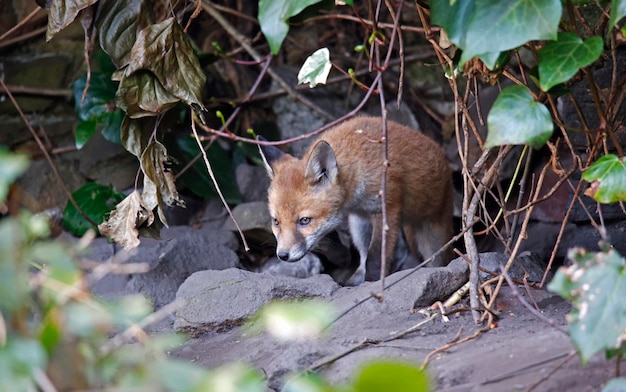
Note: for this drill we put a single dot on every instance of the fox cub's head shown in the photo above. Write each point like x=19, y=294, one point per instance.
x=304, y=198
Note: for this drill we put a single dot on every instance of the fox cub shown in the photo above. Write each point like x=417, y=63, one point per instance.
x=341, y=175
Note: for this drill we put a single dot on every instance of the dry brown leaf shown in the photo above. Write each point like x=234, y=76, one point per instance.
x=122, y=224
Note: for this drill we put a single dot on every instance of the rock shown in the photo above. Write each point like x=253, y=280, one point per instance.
x=220, y=300
x=107, y=163
x=306, y=267
x=253, y=182
x=409, y=289
x=39, y=71
x=170, y=261
x=250, y=216
x=525, y=263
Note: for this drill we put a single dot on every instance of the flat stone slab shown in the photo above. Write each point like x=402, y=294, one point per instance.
x=220, y=300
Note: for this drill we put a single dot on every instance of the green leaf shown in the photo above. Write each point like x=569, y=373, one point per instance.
x=117, y=22
x=288, y=320
x=62, y=13
x=306, y=382
x=274, y=17
x=95, y=201
x=236, y=377
x=486, y=26
x=98, y=108
x=560, y=60
x=14, y=287
x=181, y=376
x=84, y=131
x=197, y=179
x=112, y=124
x=391, y=376
x=596, y=282
x=164, y=49
x=618, y=11
x=19, y=359
x=315, y=68
x=615, y=385
x=11, y=167
x=607, y=176
x=454, y=17
x=99, y=99
x=491, y=59
x=516, y=118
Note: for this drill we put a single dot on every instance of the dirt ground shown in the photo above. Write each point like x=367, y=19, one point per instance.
x=519, y=353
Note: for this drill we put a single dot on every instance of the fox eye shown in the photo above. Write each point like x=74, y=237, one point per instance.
x=275, y=222
x=304, y=221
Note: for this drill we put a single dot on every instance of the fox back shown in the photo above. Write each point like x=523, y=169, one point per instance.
x=341, y=176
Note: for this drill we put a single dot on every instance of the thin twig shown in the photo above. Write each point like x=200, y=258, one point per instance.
x=216, y=185
x=49, y=92
x=243, y=41
x=21, y=23
x=412, y=271
x=528, y=306
x=136, y=329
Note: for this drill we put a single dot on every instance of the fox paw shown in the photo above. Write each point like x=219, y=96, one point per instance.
x=357, y=278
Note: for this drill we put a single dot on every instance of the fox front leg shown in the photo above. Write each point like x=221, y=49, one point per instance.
x=361, y=233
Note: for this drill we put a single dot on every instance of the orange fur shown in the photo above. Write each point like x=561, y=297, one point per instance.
x=418, y=192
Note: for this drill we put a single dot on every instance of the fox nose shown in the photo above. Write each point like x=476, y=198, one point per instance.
x=284, y=256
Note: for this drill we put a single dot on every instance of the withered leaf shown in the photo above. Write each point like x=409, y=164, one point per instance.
x=117, y=22
x=134, y=134
x=164, y=49
x=159, y=184
x=122, y=224
x=62, y=13
x=142, y=95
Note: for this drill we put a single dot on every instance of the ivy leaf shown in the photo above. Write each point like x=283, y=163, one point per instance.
x=84, y=131
x=121, y=226
x=99, y=98
x=560, y=60
x=117, y=22
x=164, y=49
x=454, y=17
x=618, y=11
x=315, y=68
x=62, y=13
x=491, y=59
x=485, y=26
x=274, y=17
x=516, y=118
x=112, y=123
x=596, y=285
x=497, y=26
x=98, y=108
x=95, y=201
x=391, y=376
x=607, y=176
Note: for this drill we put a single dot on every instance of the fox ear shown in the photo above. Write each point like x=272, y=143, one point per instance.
x=269, y=154
x=321, y=169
